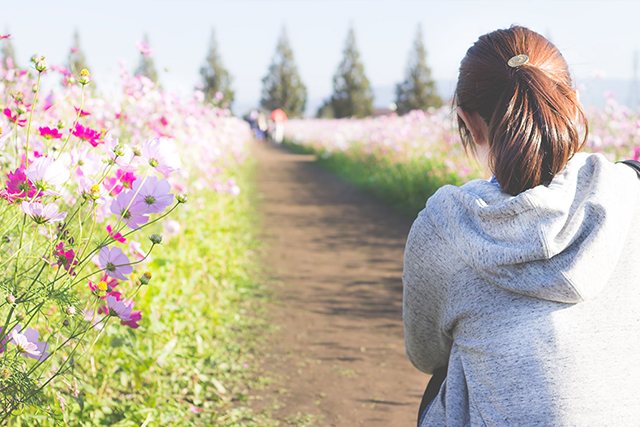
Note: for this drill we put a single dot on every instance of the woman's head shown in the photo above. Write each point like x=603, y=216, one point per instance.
x=527, y=115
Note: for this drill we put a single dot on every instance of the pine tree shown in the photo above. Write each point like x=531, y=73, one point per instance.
x=352, y=95
x=146, y=67
x=77, y=61
x=215, y=77
x=282, y=87
x=418, y=91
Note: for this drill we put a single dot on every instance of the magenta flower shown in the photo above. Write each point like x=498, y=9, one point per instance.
x=128, y=211
x=45, y=172
x=18, y=186
x=87, y=134
x=28, y=344
x=161, y=155
x=111, y=284
x=65, y=259
x=8, y=36
x=82, y=112
x=115, y=263
x=15, y=119
x=153, y=195
x=43, y=214
x=49, y=133
x=134, y=316
x=120, y=182
x=116, y=236
x=118, y=308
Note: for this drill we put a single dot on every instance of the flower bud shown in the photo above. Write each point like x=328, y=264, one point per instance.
x=71, y=310
x=11, y=299
x=145, y=278
x=35, y=87
x=119, y=150
x=136, y=152
x=20, y=109
x=6, y=239
x=41, y=65
x=18, y=96
x=21, y=316
x=156, y=239
x=66, y=322
x=182, y=198
x=61, y=124
x=34, y=59
x=85, y=77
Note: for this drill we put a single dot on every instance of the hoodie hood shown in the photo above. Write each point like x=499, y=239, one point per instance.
x=559, y=242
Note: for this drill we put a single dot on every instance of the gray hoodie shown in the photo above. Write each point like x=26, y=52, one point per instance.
x=533, y=301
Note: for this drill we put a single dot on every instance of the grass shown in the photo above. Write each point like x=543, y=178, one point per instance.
x=193, y=361
x=406, y=186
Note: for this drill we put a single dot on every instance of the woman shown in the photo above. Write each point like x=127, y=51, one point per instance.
x=525, y=290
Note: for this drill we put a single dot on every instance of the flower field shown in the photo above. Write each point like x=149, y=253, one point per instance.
x=127, y=252
x=404, y=160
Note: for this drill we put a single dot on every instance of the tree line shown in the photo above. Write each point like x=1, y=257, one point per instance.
x=282, y=86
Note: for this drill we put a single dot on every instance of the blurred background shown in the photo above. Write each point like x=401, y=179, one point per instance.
x=600, y=40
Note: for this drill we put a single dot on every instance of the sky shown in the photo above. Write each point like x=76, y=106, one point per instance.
x=597, y=38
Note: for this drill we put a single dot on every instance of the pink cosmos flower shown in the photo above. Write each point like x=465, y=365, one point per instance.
x=161, y=155
x=135, y=250
x=134, y=316
x=153, y=195
x=82, y=113
x=128, y=211
x=74, y=49
x=118, y=308
x=5, y=37
x=14, y=118
x=116, y=236
x=111, y=284
x=28, y=344
x=95, y=320
x=115, y=263
x=43, y=214
x=44, y=172
x=66, y=259
x=18, y=186
x=49, y=133
x=144, y=48
x=87, y=134
x=171, y=227
x=48, y=101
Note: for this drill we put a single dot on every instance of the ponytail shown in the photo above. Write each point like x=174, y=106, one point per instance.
x=531, y=110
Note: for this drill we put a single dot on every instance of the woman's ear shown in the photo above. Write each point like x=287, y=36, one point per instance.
x=475, y=124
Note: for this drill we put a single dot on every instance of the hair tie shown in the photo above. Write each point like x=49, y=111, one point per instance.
x=518, y=60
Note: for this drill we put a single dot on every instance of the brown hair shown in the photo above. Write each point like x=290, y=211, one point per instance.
x=531, y=110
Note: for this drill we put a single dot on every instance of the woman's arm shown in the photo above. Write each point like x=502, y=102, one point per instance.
x=425, y=296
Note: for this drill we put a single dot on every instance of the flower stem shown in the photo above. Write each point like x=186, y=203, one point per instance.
x=33, y=107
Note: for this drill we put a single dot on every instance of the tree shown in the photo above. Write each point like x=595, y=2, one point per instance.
x=215, y=77
x=282, y=87
x=352, y=95
x=418, y=91
x=146, y=67
x=77, y=61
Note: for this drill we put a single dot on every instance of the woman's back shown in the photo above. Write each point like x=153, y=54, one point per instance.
x=532, y=300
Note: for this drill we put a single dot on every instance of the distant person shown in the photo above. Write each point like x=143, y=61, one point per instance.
x=279, y=118
x=252, y=118
x=262, y=126
x=522, y=293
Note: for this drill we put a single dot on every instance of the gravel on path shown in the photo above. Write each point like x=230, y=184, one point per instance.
x=334, y=257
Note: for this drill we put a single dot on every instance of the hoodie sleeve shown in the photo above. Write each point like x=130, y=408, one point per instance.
x=425, y=297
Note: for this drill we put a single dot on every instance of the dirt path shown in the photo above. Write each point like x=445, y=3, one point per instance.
x=335, y=256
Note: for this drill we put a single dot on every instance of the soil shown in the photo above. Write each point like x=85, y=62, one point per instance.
x=334, y=256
